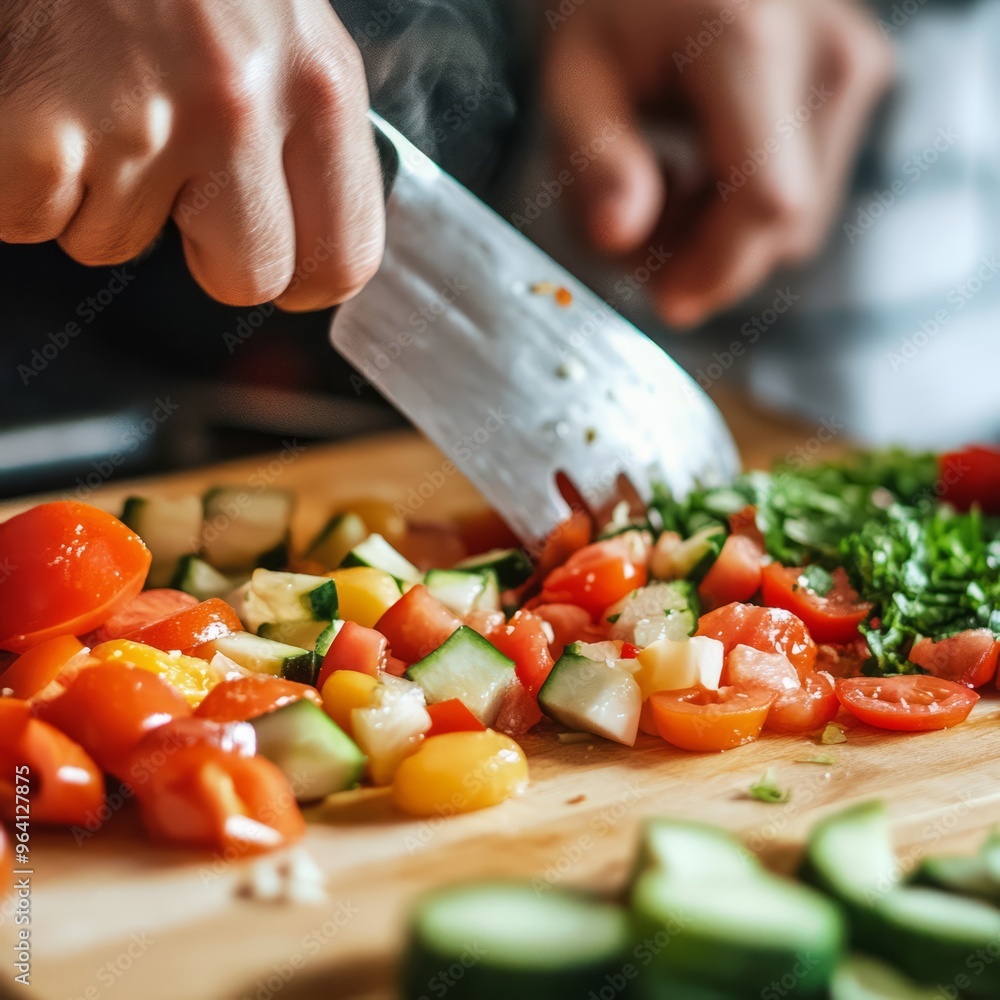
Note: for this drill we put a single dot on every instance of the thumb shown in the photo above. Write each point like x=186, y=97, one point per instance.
x=617, y=182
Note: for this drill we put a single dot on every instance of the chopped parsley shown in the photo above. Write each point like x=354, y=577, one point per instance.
x=766, y=789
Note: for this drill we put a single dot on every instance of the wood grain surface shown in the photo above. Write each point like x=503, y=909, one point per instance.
x=114, y=917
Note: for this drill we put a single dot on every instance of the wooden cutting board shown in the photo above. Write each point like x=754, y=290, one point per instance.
x=113, y=917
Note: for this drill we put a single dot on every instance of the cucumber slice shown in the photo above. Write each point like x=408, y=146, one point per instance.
x=244, y=529
x=290, y=597
x=501, y=941
x=464, y=591
x=686, y=849
x=691, y=558
x=588, y=695
x=341, y=533
x=316, y=636
x=171, y=530
x=264, y=656
x=194, y=576
x=976, y=875
x=468, y=667
x=738, y=935
x=376, y=552
x=860, y=977
x=657, y=611
x=315, y=754
x=512, y=566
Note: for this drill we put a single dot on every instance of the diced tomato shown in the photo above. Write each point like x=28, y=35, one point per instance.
x=598, y=575
x=568, y=623
x=149, y=606
x=66, y=786
x=752, y=668
x=629, y=652
x=831, y=617
x=771, y=630
x=485, y=622
x=843, y=659
x=744, y=522
x=416, y=624
x=452, y=716
x=159, y=744
x=209, y=798
x=524, y=640
x=696, y=719
x=355, y=648
x=36, y=669
x=72, y=566
x=968, y=658
x=906, y=702
x=244, y=698
x=735, y=575
x=108, y=708
x=519, y=711
x=395, y=666
x=190, y=626
x=971, y=476
x=572, y=535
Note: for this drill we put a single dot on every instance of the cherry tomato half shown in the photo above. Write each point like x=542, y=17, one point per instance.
x=736, y=573
x=906, y=702
x=832, y=617
x=36, y=669
x=189, y=627
x=696, y=719
x=70, y=566
x=968, y=658
x=244, y=698
x=149, y=606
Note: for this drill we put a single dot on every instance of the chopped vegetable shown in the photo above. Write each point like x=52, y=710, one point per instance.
x=766, y=789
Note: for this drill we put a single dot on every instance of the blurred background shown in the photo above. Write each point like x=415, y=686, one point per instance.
x=888, y=335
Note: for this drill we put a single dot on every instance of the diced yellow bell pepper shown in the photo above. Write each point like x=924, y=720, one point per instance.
x=460, y=772
x=364, y=594
x=344, y=691
x=192, y=676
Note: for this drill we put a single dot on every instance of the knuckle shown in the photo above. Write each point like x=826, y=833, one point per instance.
x=860, y=58
x=35, y=213
x=335, y=84
x=103, y=248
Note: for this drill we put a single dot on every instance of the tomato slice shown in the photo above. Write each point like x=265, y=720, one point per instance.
x=968, y=658
x=74, y=564
x=971, y=476
x=831, y=617
x=355, y=648
x=452, y=716
x=518, y=712
x=416, y=624
x=906, y=702
x=243, y=698
x=207, y=797
x=108, y=708
x=149, y=606
x=598, y=575
x=736, y=573
x=806, y=708
x=66, y=786
x=36, y=669
x=771, y=630
x=189, y=627
x=696, y=719
x=524, y=640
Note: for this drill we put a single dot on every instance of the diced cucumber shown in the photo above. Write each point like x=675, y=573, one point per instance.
x=325, y=639
x=289, y=597
x=315, y=754
x=589, y=695
x=686, y=849
x=171, y=530
x=464, y=591
x=975, y=875
x=316, y=636
x=510, y=941
x=376, y=552
x=265, y=656
x=861, y=977
x=929, y=934
x=244, y=529
x=194, y=576
x=737, y=935
x=692, y=557
x=657, y=611
x=512, y=566
x=468, y=667
x=341, y=533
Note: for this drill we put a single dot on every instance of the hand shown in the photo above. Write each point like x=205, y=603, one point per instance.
x=779, y=92
x=245, y=122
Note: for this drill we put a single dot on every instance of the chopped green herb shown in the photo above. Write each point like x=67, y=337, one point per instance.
x=613, y=618
x=816, y=579
x=766, y=789
x=832, y=734
x=820, y=758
